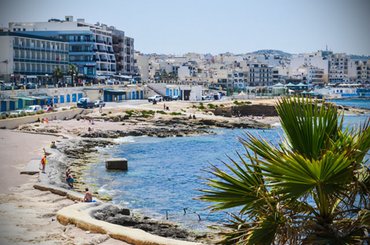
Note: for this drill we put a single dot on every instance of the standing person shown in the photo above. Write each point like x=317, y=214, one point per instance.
x=43, y=163
x=88, y=195
x=100, y=108
x=164, y=106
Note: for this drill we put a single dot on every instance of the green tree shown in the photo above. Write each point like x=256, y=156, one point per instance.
x=57, y=74
x=312, y=188
x=73, y=72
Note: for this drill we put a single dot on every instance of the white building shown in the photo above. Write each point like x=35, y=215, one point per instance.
x=318, y=59
x=359, y=71
x=34, y=58
x=338, y=68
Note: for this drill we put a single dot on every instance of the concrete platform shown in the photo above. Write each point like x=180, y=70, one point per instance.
x=32, y=167
x=79, y=214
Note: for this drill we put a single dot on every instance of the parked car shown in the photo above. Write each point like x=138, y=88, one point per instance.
x=47, y=108
x=85, y=103
x=6, y=86
x=170, y=98
x=33, y=108
x=206, y=97
x=156, y=98
x=17, y=112
x=30, y=86
x=99, y=103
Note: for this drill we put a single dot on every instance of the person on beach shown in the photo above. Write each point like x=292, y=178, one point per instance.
x=70, y=180
x=43, y=163
x=88, y=195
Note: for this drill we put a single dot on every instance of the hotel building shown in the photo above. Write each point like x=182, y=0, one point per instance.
x=90, y=45
x=27, y=56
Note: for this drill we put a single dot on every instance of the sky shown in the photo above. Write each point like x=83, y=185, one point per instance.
x=216, y=26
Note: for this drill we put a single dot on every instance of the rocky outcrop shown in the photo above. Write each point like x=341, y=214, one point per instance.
x=247, y=110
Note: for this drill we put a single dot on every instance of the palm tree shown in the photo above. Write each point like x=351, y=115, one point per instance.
x=57, y=74
x=312, y=188
x=73, y=71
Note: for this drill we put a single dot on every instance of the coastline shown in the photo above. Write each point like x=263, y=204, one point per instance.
x=76, y=144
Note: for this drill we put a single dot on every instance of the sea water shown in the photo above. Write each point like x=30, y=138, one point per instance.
x=363, y=103
x=165, y=174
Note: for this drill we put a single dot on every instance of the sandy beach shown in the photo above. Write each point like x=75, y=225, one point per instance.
x=27, y=215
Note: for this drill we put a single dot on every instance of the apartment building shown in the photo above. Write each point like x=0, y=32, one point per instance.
x=319, y=59
x=315, y=76
x=338, y=68
x=359, y=71
x=90, y=45
x=259, y=75
x=237, y=80
x=35, y=58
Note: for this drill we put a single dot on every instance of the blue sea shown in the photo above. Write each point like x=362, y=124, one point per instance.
x=359, y=103
x=165, y=174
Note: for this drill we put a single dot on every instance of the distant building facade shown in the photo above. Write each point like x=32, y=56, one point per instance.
x=90, y=45
x=27, y=56
x=338, y=68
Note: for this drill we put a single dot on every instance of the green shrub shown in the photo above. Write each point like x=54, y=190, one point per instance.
x=40, y=112
x=129, y=113
x=212, y=106
x=201, y=106
x=175, y=113
x=161, y=112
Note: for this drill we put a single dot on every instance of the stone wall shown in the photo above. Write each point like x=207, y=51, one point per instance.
x=12, y=123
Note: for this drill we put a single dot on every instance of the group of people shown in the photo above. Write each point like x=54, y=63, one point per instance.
x=70, y=180
x=68, y=177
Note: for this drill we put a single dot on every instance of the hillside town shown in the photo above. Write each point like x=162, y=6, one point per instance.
x=99, y=61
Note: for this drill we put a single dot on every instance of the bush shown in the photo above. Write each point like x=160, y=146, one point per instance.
x=175, y=113
x=3, y=116
x=161, y=112
x=212, y=106
x=40, y=112
x=201, y=106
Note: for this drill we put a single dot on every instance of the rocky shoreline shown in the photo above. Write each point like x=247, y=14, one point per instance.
x=81, y=138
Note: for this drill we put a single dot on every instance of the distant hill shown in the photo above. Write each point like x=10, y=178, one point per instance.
x=271, y=52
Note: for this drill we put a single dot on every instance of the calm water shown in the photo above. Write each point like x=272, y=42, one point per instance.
x=359, y=103
x=165, y=173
